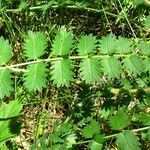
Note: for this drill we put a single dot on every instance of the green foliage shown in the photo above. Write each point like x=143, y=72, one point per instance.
x=6, y=83
x=133, y=64
x=127, y=140
x=108, y=44
x=90, y=70
x=62, y=43
x=144, y=47
x=119, y=121
x=35, y=44
x=5, y=51
x=86, y=44
x=90, y=130
x=62, y=73
x=113, y=67
x=35, y=77
x=8, y=123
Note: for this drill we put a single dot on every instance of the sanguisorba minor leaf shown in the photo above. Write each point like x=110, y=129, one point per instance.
x=90, y=70
x=128, y=141
x=62, y=43
x=108, y=44
x=123, y=45
x=146, y=63
x=5, y=51
x=35, y=77
x=111, y=67
x=62, y=73
x=86, y=44
x=34, y=45
x=5, y=83
x=144, y=48
x=119, y=121
x=8, y=126
x=133, y=64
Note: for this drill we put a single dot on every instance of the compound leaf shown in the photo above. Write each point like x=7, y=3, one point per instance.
x=107, y=44
x=133, y=64
x=62, y=73
x=124, y=45
x=35, y=45
x=86, y=44
x=144, y=48
x=35, y=77
x=62, y=43
x=5, y=83
x=119, y=121
x=5, y=51
x=90, y=70
x=111, y=67
x=127, y=140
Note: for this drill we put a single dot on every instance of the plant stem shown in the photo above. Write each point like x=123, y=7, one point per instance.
x=15, y=66
x=113, y=135
x=67, y=6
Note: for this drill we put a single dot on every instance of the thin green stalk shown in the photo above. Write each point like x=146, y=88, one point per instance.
x=15, y=66
x=114, y=135
x=68, y=6
x=125, y=15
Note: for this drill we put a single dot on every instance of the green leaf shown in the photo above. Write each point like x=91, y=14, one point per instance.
x=128, y=141
x=5, y=51
x=147, y=22
x=144, y=48
x=35, y=45
x=119, y=121
x=146, y=63
x=90, y=70
x=62, y=73
x=90, y=130
x=108, y=44
x=86, y=44
x=145, y=118
x=124, y=45
x=5, y=83
x=133, y=64
x=35, y=77
x=9, y=125
x=62, y=43
x=93, y=145
x=111, y=67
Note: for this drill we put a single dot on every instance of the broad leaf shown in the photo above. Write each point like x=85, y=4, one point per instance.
x=93, y=145
x=144, y=48
x=146, y=63
x=119, y=121
x=90, y=130
x=133, y=64
x=35, y=45
x=128, y=141
x=147, y=22
x=86, y=44
x=108, y=44
x=5, y=83
x=90, y=70
x=124, y=45
x=111, y=67
x=35, y=77
x=62, y=73
x=62, y=43
x=5, y=51
x=9, y=126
